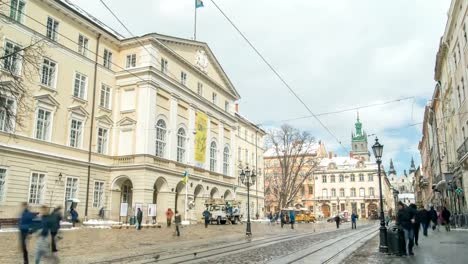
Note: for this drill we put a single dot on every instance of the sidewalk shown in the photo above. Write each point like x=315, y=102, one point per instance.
x=439, y=247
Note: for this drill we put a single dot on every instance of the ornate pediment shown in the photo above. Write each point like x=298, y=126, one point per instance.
x=79, y=110
x=104, y=119
x=47, y=99
x=126, y=121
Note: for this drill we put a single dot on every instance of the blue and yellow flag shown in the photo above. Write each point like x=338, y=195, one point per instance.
x=198, y=3
x=185, y=178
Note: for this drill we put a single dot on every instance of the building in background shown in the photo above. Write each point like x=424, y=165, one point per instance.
x=116, y=122
x=404, y=184
x=444, y=145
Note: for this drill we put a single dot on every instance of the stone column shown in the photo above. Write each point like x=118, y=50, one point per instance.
x=191, y=136
x=220, y=154
x=146, y=118
x=172, y=141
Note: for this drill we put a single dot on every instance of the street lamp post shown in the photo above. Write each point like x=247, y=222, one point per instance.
x=378, y=149
x=248, y=178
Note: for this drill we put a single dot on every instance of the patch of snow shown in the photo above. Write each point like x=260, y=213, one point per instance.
x=101, y=222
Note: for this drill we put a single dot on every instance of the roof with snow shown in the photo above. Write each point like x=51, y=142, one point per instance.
x=345, y=163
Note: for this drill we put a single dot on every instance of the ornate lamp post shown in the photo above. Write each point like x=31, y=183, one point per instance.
x=248, y=178
x=378, y=149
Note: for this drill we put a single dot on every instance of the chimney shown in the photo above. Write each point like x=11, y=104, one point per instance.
x=237, y=107
x=330, y=155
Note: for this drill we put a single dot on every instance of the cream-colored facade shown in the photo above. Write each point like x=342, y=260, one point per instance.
x=445, y=131
x=130, y=106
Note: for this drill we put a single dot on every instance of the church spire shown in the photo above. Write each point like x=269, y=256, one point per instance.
x=412, y=167
x=392, y=168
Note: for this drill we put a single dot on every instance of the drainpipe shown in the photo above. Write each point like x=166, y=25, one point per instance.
x=92, y=126
x=256, y=166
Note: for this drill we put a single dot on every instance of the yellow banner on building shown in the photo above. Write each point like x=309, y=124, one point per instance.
x=201, y=126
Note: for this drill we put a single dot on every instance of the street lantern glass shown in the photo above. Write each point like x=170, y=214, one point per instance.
x=378, y=149
x=253, y=177
x=242, y=176
x=247, y=172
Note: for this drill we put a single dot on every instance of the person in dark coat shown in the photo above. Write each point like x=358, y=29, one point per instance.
x=139, y=218
x=337, y=220
x=25, y=225
x=282, y=219
x=416, y=224
x=56, y=217
x=74, y=216
x=46, y=225
x=178, y=222
x=446, y=218
x=353, y=220
x=405, y=218
x=433, y=217
x=292, y=218
x=423, y=217
x=206, y=216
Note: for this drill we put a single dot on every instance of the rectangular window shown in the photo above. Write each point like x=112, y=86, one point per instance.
x=7, y=114
x=163, y=65
x=200, y=89
x=107, y=63
x=361, y=177
x=324, y=178
x=226, y=106
x=131, y=61
x=52, y=28
x=183, y=78
x=76, y=127
x=104, y=100
x=370, y=177
x=2, y=182
x=71, y=189
x=43, y=125
x=36, y=188
x=342, y=193
x=362, y=192
x=17, y=10
x=12, y=57
x=332, y=178
x=352, y=178
x=311, y=189
x=83, y=45
x=79, y=88
x=239, y=154
x=246, y=156
x=214, y=98
x=102, y=139
x=49, y=69
x=341, y=178
x=98, y=200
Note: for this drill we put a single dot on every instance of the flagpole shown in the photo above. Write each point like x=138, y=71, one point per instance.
x=195, y=24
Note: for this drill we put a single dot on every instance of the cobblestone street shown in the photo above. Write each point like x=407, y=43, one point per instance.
x=88, y=245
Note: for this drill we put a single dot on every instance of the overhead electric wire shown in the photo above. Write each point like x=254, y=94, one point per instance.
x=278, y=75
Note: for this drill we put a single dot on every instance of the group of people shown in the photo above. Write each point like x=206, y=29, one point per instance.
x=177, y=220
x=411, y=220
x=47, y=224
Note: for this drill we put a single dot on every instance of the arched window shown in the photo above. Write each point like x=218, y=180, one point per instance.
x=160, y=138
x=213, y=151
x=371, y=191
x=324, y=192
x=181, y=138
x=342, y=194
x=333, y=192
x=226, y=161
x=353, y=192
x=362, y=192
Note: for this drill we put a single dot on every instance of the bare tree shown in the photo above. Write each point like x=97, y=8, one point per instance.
x=295, y=152
x=19, y=70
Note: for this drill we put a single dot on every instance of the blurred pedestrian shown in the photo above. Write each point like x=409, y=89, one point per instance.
x=423, y=217
x=387, y=220
x=206, y=216
x=282, y=219
x=42, y=244
x=433, y=217
x=178, y=222
x=405, y=217
x=416, y=224
x=25, y=225
x=446, y=218
x=56, y=217
x=169, y=214
x=139, y=218
x=102, y=213
x=337, y=220
x=353, y=220
x=292, y=218
x=74, y=216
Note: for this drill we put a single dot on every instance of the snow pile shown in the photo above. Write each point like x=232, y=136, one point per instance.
x=101, y=222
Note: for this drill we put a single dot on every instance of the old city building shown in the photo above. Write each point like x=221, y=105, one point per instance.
x=444, y=145
x=404, y=184
x=115, y=122
x=351, y=183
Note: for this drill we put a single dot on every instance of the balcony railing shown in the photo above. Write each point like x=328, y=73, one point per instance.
x=462, y=150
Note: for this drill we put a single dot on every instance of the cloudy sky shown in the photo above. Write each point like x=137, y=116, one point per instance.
x=336, y=55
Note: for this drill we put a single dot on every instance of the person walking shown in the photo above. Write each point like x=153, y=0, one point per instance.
x=405, y=218
x=282, y=219
x=433, y=217
x=46, y=224
x=74, y=216
x=56, y=217
x=423, y=217
x=206, y=215
x=25, y=225
x=353, y=220
x=169, y=214
x=416, y=224
x=139, y=218
x=446, y=218
x=178, y=222
x=337, y=220
x=292, y=218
